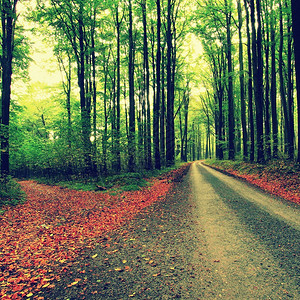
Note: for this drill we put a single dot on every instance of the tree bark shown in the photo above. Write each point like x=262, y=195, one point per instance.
x=148, y=152
x=231, y=126
x=258, y=77
x=131, y=137
x=287, y=127
x=156, y=106
x=296, y=34
x=250, y=86
x=273, y=87
x=8, y=19
x=242, y=84
x=170, y=142
x=118, y=96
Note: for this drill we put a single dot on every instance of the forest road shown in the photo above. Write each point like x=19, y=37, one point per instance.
x=215, y=237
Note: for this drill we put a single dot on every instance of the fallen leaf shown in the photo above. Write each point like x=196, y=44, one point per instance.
x=119, y=269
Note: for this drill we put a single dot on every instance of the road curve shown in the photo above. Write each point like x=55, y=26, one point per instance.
x=214, y=237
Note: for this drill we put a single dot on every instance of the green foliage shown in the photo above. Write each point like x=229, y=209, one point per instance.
x=272, y=167
x=126, y=181
x=10, y=192
x=113, y=183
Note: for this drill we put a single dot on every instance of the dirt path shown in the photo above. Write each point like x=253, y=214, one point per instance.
x=213, y=238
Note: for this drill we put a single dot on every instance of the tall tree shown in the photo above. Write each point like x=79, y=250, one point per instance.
x=118, y=21
x=242, y=83
x=148, y=151
x=156, y=106
x=283, y=92
x=255, y=10
x=231, y=126
x=273, y=92
x=131, y=136
x=8, y=21
x=296, y=34
x=170, y=133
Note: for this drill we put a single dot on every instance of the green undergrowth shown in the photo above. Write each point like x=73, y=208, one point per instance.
x=272, y=167
x=133, y=181
x=10, y=193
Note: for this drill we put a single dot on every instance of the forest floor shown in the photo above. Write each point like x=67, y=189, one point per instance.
x=55, y=224
x=200, y=236
x=277, y=177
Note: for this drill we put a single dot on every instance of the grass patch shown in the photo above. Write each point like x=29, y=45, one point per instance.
x=112, y=183
x=237, y=165
x=271, y=167
x=10, y=193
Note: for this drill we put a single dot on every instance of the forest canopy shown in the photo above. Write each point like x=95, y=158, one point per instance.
x=99, y=87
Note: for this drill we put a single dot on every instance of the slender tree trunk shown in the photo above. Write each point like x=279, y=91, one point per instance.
x=273, y=88
x=94, y=93
x=118, y=96
x=267, y=84
x=287, y=127
x=131, y=137
x=170, y=149
x=258, y=76
x=250, y=86
x=296, y=34
x=162, y=113
x=231, y=126
x=185, y=135
x=148, y=152
x=84, y=102
x=290, y=99
x=8, y=18
x=242, y=84
x=104, y=137
x=156, y=106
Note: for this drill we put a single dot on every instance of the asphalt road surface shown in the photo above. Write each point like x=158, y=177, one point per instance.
x=214, y=237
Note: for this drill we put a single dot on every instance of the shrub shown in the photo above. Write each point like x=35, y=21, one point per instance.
x=10, y=192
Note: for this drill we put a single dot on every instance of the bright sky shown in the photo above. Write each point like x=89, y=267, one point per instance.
x=44, y=67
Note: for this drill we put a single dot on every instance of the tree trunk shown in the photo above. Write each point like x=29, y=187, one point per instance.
x=84, y=105
x=231, y=126
x=287, y=127
x=267, y=84
x=290, y=98
x=258, y=77
x=162, y=113
x=296, y=34
x=156, y=106
x=242, y=85
x=273, y=88
x=170, y=143
x=131, y=137
x=250, y=86
x=8, y=18
x=148, y=152
x=118, y=96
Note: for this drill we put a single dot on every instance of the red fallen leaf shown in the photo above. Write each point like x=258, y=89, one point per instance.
x=72, y=284
x=17, y=288
x=54, y=225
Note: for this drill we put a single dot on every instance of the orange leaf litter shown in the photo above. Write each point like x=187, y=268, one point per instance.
x=55, y=224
